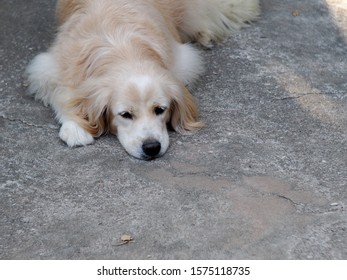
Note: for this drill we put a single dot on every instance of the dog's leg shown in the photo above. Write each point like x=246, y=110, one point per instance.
x=74, y=135
x=187, y=63
x=43, y=83
x=207, y=21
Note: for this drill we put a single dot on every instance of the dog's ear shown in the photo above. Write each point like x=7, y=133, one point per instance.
x=65, y=8
x=184, y=112
x=92, y=112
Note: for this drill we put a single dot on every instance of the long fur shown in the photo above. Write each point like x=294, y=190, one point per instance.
x=101, y=45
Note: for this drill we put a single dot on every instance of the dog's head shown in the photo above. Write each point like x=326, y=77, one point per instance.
x=138, y=108
x=143, y=107
x=141, y=110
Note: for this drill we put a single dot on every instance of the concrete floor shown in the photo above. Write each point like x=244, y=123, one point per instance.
x=265, y=179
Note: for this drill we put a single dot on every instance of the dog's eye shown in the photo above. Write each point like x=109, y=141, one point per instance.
x=159, y=110
x=126, y=115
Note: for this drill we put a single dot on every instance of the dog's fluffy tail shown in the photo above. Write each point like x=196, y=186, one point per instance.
x=41, y=74
x=213, y=20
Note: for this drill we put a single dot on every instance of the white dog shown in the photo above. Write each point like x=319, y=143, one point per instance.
x=123, y=66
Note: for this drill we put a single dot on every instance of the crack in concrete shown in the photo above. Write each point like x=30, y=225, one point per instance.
x=286, y=198
x=51, y=127
x=295, y=97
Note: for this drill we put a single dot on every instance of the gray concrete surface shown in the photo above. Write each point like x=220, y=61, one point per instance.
x=265, y=179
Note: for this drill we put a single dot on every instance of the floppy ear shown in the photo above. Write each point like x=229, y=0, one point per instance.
x=65, y=8
x=92, y=112
x=184, y=112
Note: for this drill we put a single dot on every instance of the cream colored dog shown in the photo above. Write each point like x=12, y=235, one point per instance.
x=123, y=66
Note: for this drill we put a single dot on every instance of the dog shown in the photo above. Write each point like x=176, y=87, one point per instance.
x=123, y=66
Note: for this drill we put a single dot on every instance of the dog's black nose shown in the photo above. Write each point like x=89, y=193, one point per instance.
x=151, y=148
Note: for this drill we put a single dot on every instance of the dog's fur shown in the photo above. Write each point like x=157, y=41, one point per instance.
x=123, y=66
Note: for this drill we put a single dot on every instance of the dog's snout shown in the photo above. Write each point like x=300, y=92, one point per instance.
x=151, y=148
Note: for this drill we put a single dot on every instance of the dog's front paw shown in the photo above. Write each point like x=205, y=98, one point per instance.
x=74, y=135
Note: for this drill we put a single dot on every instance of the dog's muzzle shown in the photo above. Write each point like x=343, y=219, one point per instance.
x=151, y=149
